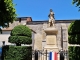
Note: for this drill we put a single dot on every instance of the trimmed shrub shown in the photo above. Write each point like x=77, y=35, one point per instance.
x=20, y=35
x=74, y=27
x=74, y=32
x=20, y=39
x=74, y=53
x=74, y=38
x=21, y=30
x=17, y=53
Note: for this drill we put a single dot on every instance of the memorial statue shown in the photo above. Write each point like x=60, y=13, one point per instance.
x=51, y=18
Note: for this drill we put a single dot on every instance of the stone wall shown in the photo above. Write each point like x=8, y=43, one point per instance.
x=62, y=36
x=39, y=37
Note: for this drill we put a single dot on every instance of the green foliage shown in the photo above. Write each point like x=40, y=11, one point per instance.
x=74, y=53
x=74, y=39
x=74, y=32
x=17, y=53
x=77, y=2
x=21, y=30
x=20, y=39
x=7, y=12
x=20, y=35
x=74, y=27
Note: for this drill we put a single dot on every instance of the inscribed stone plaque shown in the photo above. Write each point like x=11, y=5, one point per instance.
x=51, y=39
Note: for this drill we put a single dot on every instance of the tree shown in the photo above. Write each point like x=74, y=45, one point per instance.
x=20, y=35
x=7, y=12
x=77, y=2
x=74, y=38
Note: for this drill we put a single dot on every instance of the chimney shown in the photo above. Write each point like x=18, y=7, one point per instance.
x=29, y=19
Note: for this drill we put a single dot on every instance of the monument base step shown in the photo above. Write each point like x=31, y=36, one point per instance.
x=51, y=48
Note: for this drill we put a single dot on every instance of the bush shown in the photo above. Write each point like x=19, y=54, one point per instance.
x=74, y=53
x=74, y=32
x=17, y=53
x=21, y=30
x=74, y=38
x=20, y=39
x=20, y=35
x=74, y=27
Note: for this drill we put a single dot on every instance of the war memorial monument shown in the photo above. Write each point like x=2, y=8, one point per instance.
x=50, y=35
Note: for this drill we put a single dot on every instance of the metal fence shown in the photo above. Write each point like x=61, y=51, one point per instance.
x=44, y=55
x=39, y=55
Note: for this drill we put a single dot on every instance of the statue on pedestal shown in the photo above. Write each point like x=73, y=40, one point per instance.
x=51, y=18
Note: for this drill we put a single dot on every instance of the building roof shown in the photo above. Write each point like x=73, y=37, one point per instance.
x=41, y=22
x=9, y=29
x=23, y=18
x=46, y=21
x=6, y=29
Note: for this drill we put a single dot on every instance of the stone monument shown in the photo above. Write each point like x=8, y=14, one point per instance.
x=51, y=33
x=51, y=18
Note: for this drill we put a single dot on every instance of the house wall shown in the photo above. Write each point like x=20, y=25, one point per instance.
x=62, y=36
x=4, y=37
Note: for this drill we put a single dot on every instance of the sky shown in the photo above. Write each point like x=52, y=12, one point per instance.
x=39, y=9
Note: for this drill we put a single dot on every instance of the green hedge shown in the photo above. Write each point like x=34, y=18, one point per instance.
x=20, y=39
x=21, y=30
x=17, y=53
x=74, y=39
x=74, y=32
x=74, y=52
x=74, y=27
x=20, y=35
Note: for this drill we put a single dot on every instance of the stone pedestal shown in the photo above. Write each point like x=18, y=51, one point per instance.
x=51, y=42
